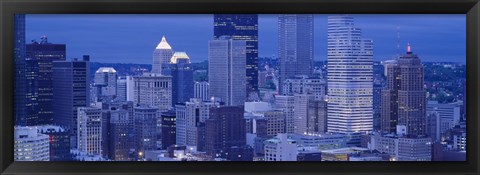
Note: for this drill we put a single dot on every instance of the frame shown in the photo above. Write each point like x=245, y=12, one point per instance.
x=10, y=7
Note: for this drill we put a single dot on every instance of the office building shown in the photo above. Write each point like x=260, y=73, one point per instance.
x=295, y=45
x=226, y=70
x=404, y=100
x=152, y=89
x=40, y=57
x=449, y=113
x=350, y=77
x=181, y=71
x=30, y=145
x=145, y=128
x=305, y=85
x=189, y=118
x=20, y=81
x=310, y=115
x=168, y=129
x=223, y=130
x=119, y=130
x=59, y=141
x=121, y=89
x=287, y=105
x=90, y=135
x=201, y=90
x=161, y=55
x=106, y=82
x=130, y=88
x=377, y=108
x=242, y=27
x=70, y=91
x=280, y=148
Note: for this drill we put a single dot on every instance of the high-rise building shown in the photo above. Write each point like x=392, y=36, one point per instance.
x=226, y=70
x=201, y=91
x=305, y=85
x=287, y=105
x=41, y=56
x=70, y=90
x=310, y=114
x=130, y=88
x=20, y=86
x=224, y=129
x=106, y=82
x=181, y=71
x=153, y=90
x=168, y=129
x=449, y=114
x=389, y=97
x=295, y=45
x=90, y=134
x=162, y=54
x=145, y=128
x=122, y=89
x=190, y=116
x=377, y=102
x=280, y=148
x=242, y=27
x=30, y=145
x=119, y=140
x=59, y=141
x=350, y=77
x=404, y=99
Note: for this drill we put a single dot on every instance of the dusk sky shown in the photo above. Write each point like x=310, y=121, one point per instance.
x=133, y=38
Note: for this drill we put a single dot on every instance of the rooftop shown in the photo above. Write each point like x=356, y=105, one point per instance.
x=164, y=44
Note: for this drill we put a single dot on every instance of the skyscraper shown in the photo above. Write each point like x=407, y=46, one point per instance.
x=224, y=129
x=350, y=77
x=305, y=85
x=40, y=56
x=162, y=54
x=59, y=141
x=181, y=71
x=242, y=27
x=226, y=70
x=389, y=99
x=90, y=135
x=411, y=94
x=153, y=90
x=20, y=80
x=295, y=45
x=70, y=90
x=122, y=89
x=106, y=82
x=287, y=105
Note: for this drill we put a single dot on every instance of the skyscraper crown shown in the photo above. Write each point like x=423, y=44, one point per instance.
x=164, y=44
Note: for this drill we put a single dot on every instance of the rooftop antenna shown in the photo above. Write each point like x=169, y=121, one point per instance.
x=398, y=41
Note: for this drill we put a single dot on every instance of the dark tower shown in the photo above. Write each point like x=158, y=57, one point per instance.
x=242, y=27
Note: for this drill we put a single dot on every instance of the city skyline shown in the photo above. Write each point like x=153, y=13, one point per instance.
x=126, y=44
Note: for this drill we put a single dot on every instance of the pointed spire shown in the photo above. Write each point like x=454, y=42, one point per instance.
x=164, y=44
x=409, y=49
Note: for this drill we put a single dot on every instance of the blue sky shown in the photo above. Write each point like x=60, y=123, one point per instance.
x=132, y=38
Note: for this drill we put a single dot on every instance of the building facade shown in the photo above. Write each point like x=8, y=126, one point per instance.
x=226, y=70
x=70, y=91
x=201, y=90
x=181, y=71
x=30, y=145
x=281, y=148
x=295, y=45
x=153, y=90
x=350, y=77
x=242, y=27
x=90, y=135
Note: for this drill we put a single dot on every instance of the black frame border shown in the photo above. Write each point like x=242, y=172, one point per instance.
x=10, y=7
